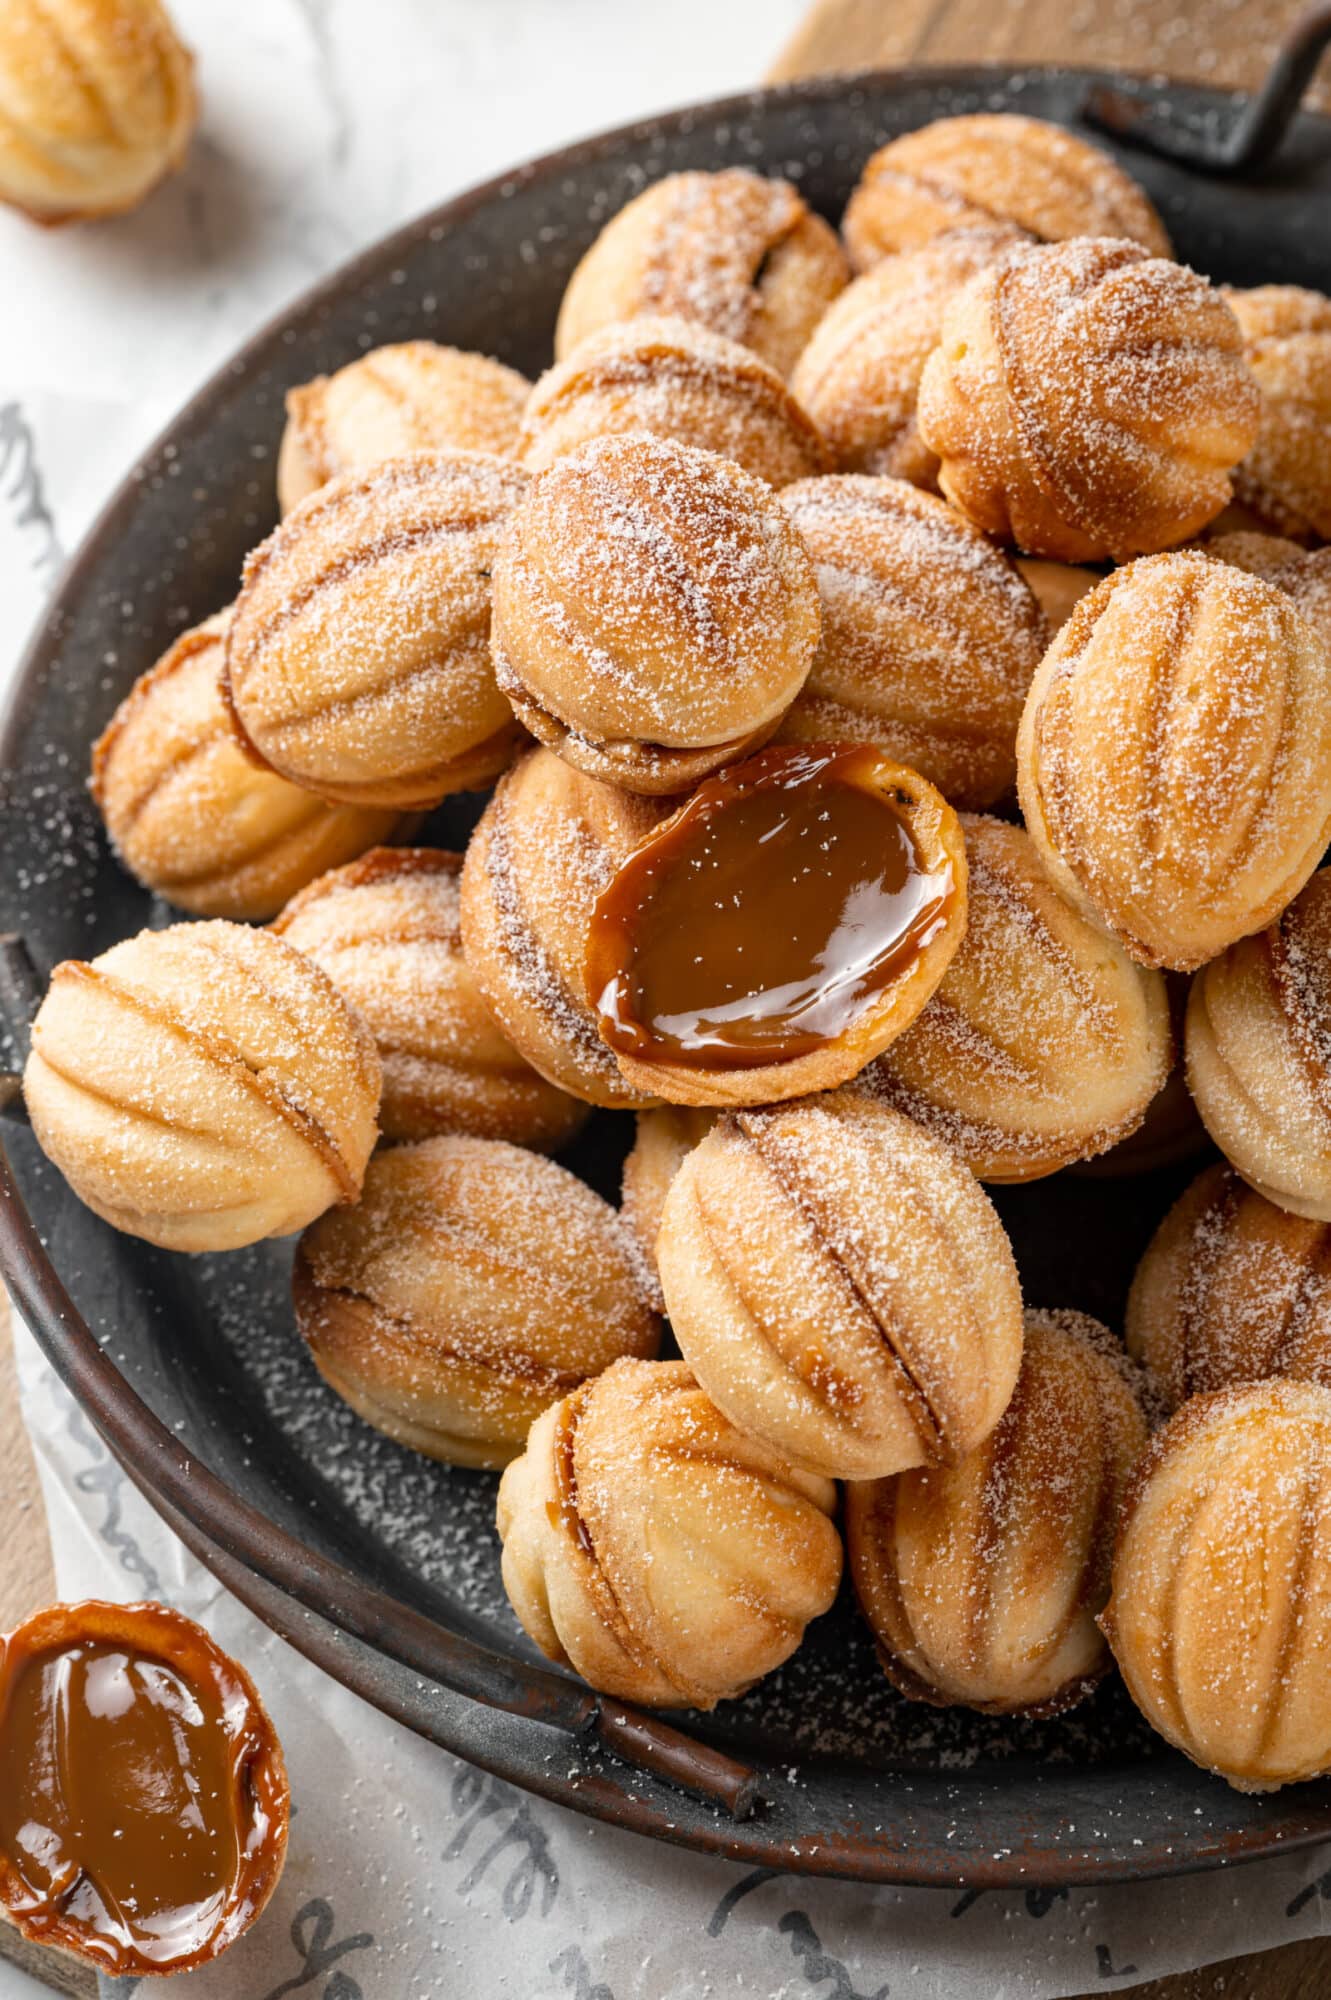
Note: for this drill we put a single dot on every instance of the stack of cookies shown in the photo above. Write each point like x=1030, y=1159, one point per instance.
x=902, y=662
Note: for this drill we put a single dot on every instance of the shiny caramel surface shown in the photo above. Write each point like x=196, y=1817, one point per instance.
x=142, y=1796
x=767, y=915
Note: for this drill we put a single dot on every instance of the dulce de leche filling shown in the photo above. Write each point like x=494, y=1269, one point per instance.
x=143, y=1799
x=767, y=915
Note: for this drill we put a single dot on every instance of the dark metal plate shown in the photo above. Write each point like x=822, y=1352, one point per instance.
x=379, y=1565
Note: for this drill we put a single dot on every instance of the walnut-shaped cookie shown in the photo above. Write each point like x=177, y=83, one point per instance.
x=677, y=380
x=665, y=1556
x=1258, y=1050
x=993, y=167
x=387, y=931
x=1174, y=756
x=547, y=844
x=781, y=928
x=982, y=1581
x=841, y=1287
x=1170, y=1133
x=930, y=638
x=665, y=1136
x=416, y=396
x=1286, y=477
x=191, y=816
x=97, y=105
x=1044, y=1042
x=859, y=376
x=1220, y=1617
x=1088, y=401
x=471, y=1287
x=1231, y=1289
x=358, y=657
x=654, y=611
x=738, y=253
x=1303, y=574
x=203, y=1086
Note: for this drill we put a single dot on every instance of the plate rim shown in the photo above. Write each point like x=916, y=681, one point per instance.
x=193, y=1500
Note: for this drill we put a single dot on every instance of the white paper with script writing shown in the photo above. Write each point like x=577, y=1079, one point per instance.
x=412, y=1876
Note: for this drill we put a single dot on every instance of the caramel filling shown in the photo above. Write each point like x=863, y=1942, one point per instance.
x=767, y=915
x=129, y=1821
x=566, y=1509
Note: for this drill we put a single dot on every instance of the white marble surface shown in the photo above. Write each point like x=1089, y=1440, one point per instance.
x=325, y=123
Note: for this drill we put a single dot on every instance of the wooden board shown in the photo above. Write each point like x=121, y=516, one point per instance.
x=26, y=1577
x=1194, y=39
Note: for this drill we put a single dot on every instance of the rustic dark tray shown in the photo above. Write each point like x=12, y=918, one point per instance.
x=379, y=1565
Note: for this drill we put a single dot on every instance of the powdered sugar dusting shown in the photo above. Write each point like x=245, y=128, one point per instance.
x=651, y=591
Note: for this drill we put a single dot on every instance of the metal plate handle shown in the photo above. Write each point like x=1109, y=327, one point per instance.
x=1255, y=134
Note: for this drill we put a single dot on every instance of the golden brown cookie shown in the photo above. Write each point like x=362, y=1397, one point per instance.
x=416, y=396
x=982, y=1581
x=993, y=167
x=1087, y=401
x=929, y=638
x=1258, y=1051
x=1303, y=574
x=1174, y=757
x=859, y=376
x=1170, y=1133
x=471, y=1287
x=841, y=1287
x=191, y=816
x=780, y=929
x=677, y=380
x=1220, y=1618
x=97, y=105
x=664, y=1555
x=664, y=1138
x=1044, y=1043
x=547, y=844
x=654, y=612
x=358, y=658
x=203, y=1086
x=387, y=931
x=1231, y=1289
x=1286, y=477
x=736, y=252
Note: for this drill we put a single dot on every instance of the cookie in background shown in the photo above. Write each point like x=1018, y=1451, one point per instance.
x=741, y=253
x=196, y=820
x=98, y=105
x=387, y=931
x=414, y=396
x=1231, y=1289
x=993, y=166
